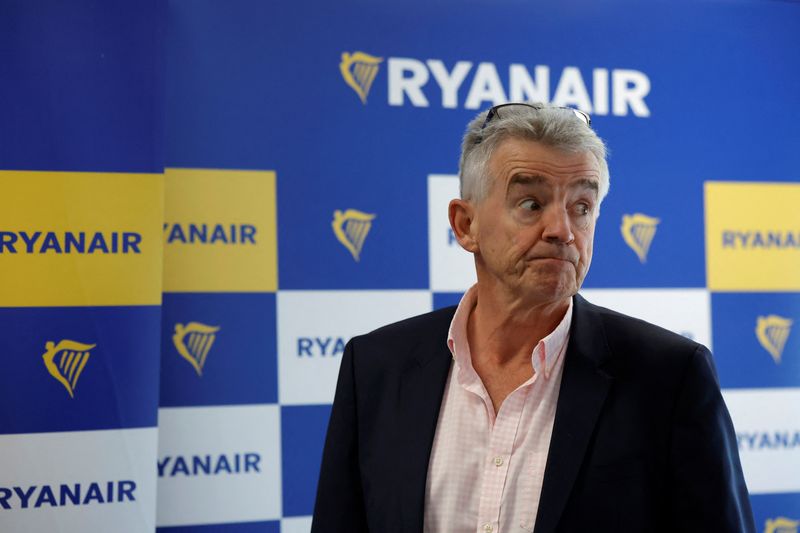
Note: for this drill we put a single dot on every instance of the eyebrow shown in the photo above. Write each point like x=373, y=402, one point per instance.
x=535, y=179
x=526, y=179
x=586, y=183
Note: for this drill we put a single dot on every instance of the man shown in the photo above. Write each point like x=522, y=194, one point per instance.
x=527, y=408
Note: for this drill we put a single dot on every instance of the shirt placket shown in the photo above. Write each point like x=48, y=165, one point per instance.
x=498, y=460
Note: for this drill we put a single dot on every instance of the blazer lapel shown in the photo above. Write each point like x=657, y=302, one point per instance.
x=584, y=386
x=421, y=390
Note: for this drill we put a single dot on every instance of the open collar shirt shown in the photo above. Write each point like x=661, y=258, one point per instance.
x=486, y=469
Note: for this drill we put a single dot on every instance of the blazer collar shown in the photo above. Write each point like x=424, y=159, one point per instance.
x=421, y=390
x=584, y=385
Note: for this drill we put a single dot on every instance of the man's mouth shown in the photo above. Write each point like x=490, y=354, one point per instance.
x=551, y=258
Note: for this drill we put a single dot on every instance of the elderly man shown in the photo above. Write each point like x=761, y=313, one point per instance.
x=526, y=408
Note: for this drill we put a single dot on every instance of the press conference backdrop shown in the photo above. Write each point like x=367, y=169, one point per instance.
x=82, y=195
x=204, y=200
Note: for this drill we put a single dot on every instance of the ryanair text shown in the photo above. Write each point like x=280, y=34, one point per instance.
x=320, y=346
x=209, y=465
x=210, y=233
x=67, y=242
x=616, y=92
x=760, y=239
x=768, y=440
x=63, y=495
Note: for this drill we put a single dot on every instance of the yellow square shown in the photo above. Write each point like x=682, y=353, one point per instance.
x=752, y=236
x=80, y=239
x=220, y=231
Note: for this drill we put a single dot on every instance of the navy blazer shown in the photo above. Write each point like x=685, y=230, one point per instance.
x=642, y=440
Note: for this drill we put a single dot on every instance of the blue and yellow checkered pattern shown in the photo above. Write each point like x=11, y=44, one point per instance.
x=171, y=338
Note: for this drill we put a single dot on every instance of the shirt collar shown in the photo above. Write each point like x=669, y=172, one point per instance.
x=545, y=354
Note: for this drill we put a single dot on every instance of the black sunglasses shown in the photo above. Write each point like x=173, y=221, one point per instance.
x=495, y=112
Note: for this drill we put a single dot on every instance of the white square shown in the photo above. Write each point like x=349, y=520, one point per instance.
x=77, y=460
x=684, y=311
x=452, y=269
x=219, y=464
x=300, y=524
x=314, y=326
x=767, y=424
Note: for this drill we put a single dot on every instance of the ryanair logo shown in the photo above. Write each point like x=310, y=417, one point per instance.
x=638, y=231
x=210, y=233
x=359, y=70
x=67, y=495
x=772, y=332
x=466, y=84
x=351, y=228
x=768, y=440
x=320, y=346
x=193, y=342
x=781, y=524
x=70, y=242
x=209, y=465
x=65, y=361
x=752, y=239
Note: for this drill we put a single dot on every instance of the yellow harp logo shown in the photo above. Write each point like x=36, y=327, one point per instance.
x=772, y=332
x=359, y=70
x=781, y=525
x=351, y=228
x=193, y=341
x=65, y=361
x=638, y=231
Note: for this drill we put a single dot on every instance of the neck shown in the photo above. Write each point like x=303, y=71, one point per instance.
x=504, y=328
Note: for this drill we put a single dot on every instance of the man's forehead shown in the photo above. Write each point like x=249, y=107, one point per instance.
x=519, y=162
x=521, y=156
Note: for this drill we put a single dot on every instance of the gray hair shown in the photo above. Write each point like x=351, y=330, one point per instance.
x=547, y=124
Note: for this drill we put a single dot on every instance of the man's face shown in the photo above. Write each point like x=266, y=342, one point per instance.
x=534, y=230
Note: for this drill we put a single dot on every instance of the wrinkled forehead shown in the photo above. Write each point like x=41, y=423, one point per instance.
x=514, y=159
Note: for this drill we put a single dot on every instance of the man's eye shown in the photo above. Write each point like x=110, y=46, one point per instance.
x=583, y=209
x=530, y=204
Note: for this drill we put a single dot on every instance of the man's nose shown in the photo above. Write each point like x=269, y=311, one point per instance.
x=557, y=225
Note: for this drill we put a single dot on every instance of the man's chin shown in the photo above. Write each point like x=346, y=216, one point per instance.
x=548, y=291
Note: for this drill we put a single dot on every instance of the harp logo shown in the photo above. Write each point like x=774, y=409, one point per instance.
x=781, y=524
x=359, y=70
x=351, y=228
x=772, y=332
x=65, y=361
x=638, y=231
x=193, y=342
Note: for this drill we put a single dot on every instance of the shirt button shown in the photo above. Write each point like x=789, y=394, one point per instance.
x=498, y=461
x=487, y=528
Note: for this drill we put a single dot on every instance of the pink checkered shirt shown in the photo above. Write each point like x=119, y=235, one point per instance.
x=486, y=470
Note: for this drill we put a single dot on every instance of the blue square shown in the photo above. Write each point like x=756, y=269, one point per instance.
x=773, y=507
x=675, y=257
x=240, y=367
x=115, y=386
x=743, y=359
x=388, y=252
x=446, y=299
x=303, y=430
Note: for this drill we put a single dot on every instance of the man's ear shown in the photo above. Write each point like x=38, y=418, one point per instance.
x=463, y=223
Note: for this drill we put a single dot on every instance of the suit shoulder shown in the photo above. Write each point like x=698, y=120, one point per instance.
x=415, y=327
x=627, y=332
x=390, y=343
x=645, y=353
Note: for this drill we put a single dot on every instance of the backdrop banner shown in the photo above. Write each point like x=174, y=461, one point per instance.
x=80, y=264
x=360, y=108
x=219, y=425
x=312, y=149
x=80, y=260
